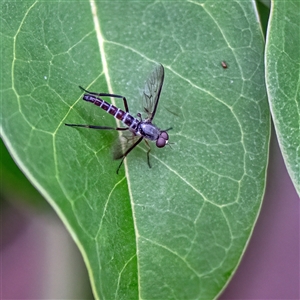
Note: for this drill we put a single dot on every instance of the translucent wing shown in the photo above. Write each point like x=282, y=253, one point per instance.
x=152, y=91
x=125, y=143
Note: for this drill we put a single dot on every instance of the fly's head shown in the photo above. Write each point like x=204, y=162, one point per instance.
x=162, y=140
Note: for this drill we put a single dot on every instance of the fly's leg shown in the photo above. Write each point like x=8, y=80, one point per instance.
x=98, y=127
x=148, y=152
x=120, y=164
x=108, y=95
x=127, y=152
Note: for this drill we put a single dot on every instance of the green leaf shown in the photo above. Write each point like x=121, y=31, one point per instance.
x=179, y=229
x=13, y=182
x=282, y=78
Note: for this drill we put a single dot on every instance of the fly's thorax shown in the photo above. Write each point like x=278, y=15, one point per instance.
x=149, y=131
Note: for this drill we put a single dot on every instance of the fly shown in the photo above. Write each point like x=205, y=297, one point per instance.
x=137, y=129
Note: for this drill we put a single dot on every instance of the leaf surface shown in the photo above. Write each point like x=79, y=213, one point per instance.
x=283, y=81
x=179, y=229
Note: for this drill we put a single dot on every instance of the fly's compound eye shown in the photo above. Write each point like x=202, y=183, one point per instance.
x=162, y=140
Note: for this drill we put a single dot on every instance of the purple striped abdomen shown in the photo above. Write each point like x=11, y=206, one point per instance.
x=118, y=113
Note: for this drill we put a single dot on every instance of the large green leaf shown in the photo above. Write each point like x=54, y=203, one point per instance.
x=177, y=230
x=283, y=79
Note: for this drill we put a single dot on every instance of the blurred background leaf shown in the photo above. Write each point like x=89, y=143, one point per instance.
x=282, y=77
